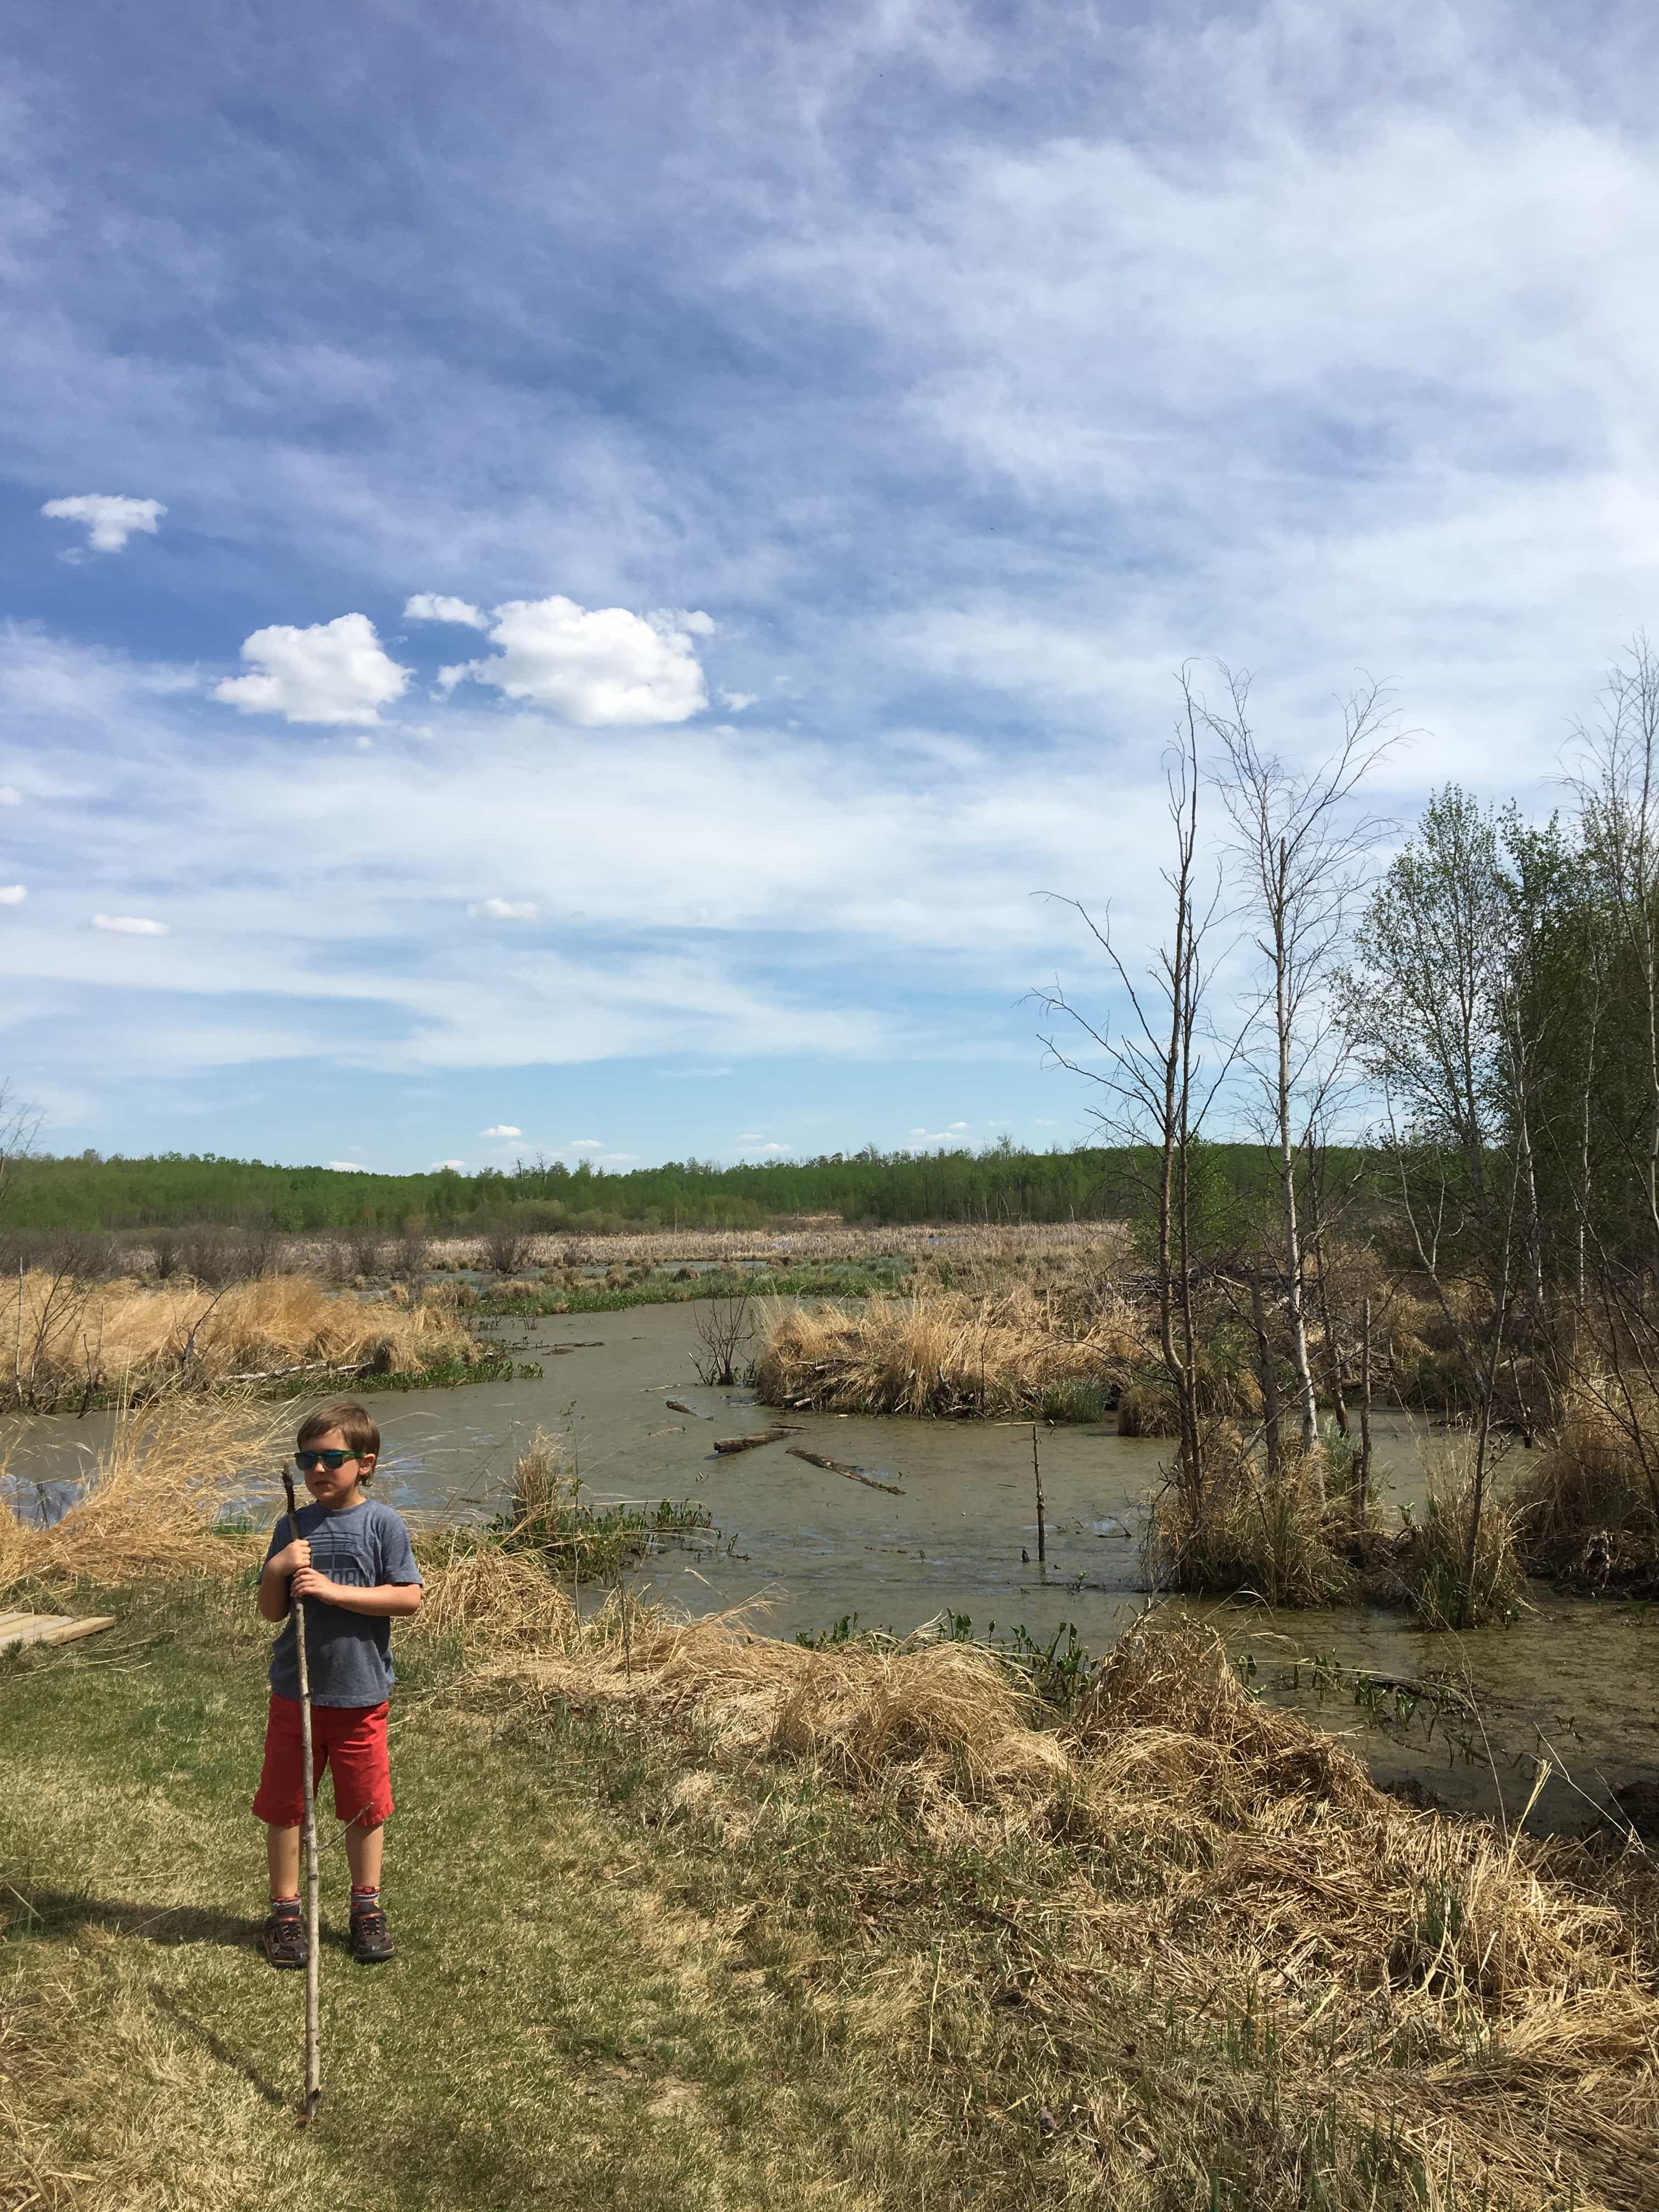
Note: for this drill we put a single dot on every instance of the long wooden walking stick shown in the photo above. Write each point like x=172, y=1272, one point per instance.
x=313, y=2032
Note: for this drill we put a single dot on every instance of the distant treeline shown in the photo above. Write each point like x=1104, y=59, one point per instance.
x=174, y=1189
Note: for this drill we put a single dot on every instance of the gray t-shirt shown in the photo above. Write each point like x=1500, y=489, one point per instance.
x=349, y=1654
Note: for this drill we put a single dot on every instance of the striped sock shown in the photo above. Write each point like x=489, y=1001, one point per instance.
x=364, y=1900
x=286, y=1903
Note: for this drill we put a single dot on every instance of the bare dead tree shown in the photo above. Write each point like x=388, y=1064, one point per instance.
x=1301, y=857
x=1158, y=1085
x=726, y=1332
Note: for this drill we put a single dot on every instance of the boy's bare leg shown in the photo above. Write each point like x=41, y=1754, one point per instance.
x=364, y=1848
x=283, y=1857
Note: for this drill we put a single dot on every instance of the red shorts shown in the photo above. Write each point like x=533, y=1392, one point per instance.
x=349, y=1739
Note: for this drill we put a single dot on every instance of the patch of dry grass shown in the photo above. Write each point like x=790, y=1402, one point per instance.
x=1584, y=1504
x=478, y=1592
x=1280, y=1540
x=154, y=1493
x=61, y=1339
x=1432, y=1559
x=947, y=1352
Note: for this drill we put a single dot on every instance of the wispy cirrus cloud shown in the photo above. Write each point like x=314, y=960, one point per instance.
x=129, y=924
x=501, y=910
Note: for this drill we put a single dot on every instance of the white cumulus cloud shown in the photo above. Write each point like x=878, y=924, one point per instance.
x=347, y=1167
x=333, y=672
x=585, y=1144
x=438, y=1166
x=9, y=795
x=501, y=1129
x=599, y=666
x=501, y=910
x=437, y=606
x=13, y=894
x=129, y=924
x=110, y=519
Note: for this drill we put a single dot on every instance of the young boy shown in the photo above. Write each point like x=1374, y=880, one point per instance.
x=353, y=1571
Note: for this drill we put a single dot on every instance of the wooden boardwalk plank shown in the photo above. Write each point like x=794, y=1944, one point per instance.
x=49, y=1627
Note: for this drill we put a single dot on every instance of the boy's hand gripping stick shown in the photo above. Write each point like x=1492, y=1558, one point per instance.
x=314, y=2039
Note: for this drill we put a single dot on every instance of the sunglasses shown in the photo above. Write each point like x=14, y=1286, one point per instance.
x=333, y=1460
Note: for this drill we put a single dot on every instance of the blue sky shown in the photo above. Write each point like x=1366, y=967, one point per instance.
x=604, y=557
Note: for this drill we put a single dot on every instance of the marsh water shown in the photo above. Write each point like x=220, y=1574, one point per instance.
x=808, y=1547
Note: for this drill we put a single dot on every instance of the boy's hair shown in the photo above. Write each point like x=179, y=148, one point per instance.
x=349, y=1419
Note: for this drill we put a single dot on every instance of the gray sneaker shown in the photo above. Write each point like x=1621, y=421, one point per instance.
x=284, y=1939
x=370, y=1938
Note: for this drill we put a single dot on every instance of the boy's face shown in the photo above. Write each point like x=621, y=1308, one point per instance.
x=333, y=1486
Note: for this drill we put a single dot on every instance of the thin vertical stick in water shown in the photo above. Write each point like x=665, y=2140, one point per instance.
x=1362, y=1479
x=313, y=2032
x=1036, y=1476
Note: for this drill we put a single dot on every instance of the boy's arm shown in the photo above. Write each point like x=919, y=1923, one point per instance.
x=390, y=1599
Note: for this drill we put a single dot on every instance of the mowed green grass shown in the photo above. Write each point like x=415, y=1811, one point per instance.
x=585, y=2010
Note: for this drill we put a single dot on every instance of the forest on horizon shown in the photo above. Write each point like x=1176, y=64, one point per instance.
x=1001, y=1183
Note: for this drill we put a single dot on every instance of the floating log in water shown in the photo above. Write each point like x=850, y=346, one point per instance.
x=853, y=1473
x=750, y=1443
x=679, y=1406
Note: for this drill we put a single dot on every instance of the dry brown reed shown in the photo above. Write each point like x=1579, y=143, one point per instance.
x=151, y=1500
x=951, y=1353
x=123, y=1336
x=1449, y=1583
x=480, y=1593
x=1243, y=1531
x=1146, y=1407
x=1584, y=1506
x=1072, y=1246
x=1495, y=1990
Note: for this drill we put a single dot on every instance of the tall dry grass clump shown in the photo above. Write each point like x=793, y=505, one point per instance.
x=60, y=1342
x=952, y=1352
x=1241, y=1531
x=152, y=1500
x=1449, y=1582
x=1585, y=1506
x=489, y=1597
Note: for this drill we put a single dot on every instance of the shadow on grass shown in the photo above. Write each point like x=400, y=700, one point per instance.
x=49, y=1913
x=216, y=2047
